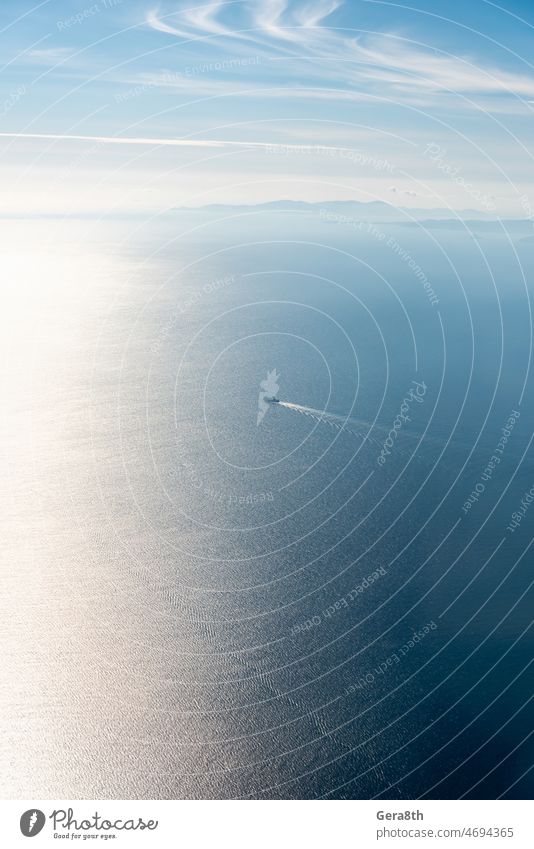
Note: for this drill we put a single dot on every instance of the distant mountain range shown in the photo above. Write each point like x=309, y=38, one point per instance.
x=371, y=211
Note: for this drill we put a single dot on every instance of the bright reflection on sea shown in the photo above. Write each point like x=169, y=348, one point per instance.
x=163, y=553
x=55, y=291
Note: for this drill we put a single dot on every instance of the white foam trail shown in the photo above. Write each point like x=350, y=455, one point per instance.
x=362, y=429
x=357, y=427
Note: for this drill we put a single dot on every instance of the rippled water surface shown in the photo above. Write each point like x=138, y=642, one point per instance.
x=198, y=605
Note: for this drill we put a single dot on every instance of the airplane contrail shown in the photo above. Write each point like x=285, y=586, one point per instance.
x=173, y=142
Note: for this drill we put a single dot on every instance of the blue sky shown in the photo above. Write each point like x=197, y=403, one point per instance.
x=141, y=106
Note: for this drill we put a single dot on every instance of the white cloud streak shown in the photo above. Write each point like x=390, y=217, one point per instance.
x=363, y=61
x=167, y=142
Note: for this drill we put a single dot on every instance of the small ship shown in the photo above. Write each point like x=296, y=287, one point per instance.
x=273, y=400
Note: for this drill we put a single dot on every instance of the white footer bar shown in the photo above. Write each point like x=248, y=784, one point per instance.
x=267, y=824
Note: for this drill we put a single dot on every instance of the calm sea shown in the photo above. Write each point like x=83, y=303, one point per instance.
x=335, y=601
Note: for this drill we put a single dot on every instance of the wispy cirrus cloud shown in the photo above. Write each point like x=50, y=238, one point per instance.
x=159, y=24
x=422, y=67
x=262, y=22
x=312, y=14
x=342, y=56
x=48, y=55
x=204, y=18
